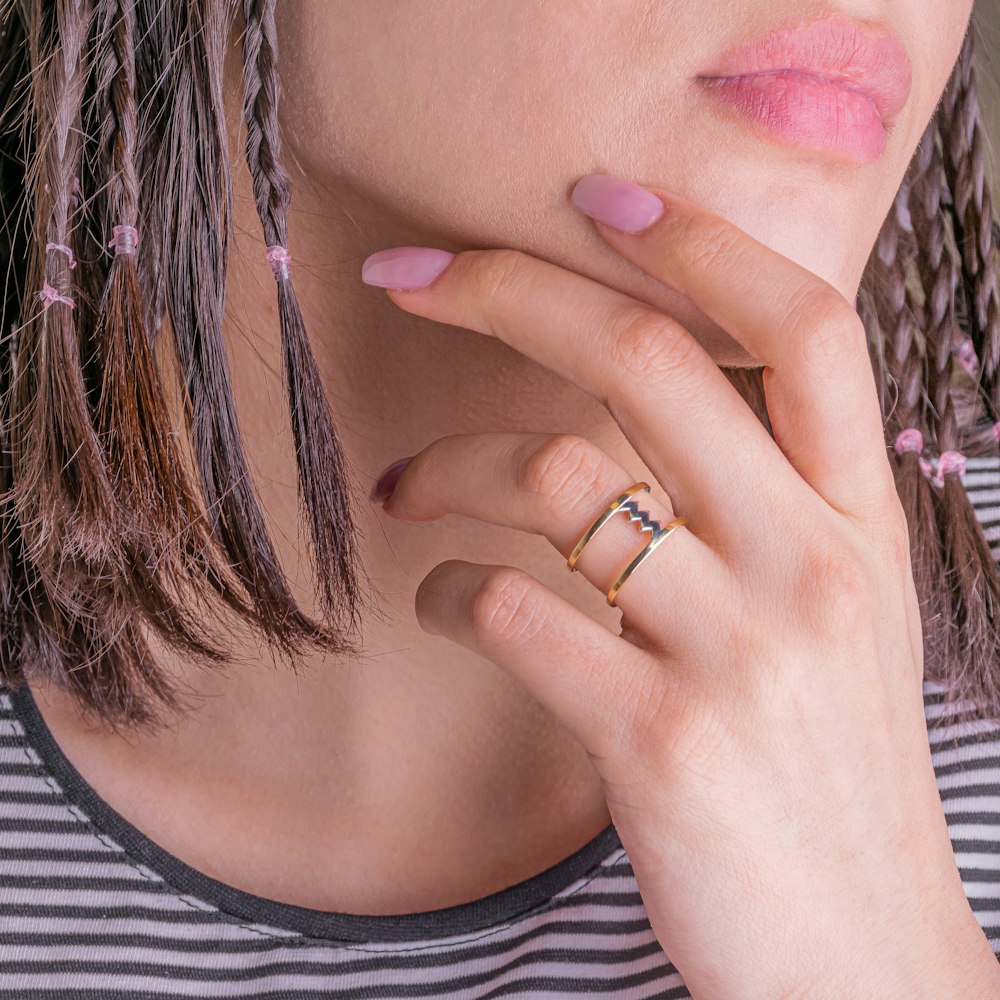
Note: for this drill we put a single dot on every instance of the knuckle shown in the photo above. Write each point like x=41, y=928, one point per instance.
x=704, y=240
x=646, y=346
x=501, y=275
x=836, y=588
x=827, y=327
x=504, y=606
x=561, y=470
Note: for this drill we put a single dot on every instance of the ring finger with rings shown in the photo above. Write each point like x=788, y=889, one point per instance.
x=561, y=486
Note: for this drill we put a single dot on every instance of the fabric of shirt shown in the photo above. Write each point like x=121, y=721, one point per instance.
x=92, y=909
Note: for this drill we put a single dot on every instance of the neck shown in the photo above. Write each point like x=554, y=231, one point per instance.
x=396, y=383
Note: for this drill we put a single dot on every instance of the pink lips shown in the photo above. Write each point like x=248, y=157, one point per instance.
x=833, y=84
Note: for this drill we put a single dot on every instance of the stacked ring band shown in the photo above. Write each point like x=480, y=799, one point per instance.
x=626, y=505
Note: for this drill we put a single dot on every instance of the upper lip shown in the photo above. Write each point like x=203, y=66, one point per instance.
x=856, y=55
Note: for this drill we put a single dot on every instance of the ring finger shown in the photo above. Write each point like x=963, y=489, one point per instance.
x=556, y=485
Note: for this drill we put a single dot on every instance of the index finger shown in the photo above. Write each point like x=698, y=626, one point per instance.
x=674, y=405
x=819, y=381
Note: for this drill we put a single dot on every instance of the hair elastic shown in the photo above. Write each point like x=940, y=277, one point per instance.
x=48, y=295
x=279, y=259
x=910, y=439
x=62, y=248
x=968, y=358
x=949, y=461
x=125, y=239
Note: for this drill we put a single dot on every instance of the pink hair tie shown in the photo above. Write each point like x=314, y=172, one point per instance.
x=910, y=439
x=62, y=248
x=996, y=430
x=48, y=295
x=968, y=358
x=949, y=461
x=279, y=259
x=125, y=239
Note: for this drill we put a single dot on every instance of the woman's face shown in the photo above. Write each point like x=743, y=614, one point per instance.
x=470, y=120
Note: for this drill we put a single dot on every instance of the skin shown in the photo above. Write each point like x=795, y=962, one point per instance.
x=436, y=770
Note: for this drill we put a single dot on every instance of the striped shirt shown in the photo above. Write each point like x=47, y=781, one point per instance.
x=92, y=908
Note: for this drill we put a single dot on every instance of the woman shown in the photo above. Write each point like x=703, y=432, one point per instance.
x=621, y=243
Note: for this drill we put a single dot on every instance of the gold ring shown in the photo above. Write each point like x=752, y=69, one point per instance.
x=601, y=520
x=658, y=535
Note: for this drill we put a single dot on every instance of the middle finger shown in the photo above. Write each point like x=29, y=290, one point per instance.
x=689, y=425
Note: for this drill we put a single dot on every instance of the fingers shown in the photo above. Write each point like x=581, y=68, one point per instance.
x=685, y=420
x=820, y=385
x=680, y=413
x=555, y=485
x=595, y=683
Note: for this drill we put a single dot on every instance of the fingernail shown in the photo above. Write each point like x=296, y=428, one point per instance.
x=405, y=268
x=387, y=481
x=616, y=203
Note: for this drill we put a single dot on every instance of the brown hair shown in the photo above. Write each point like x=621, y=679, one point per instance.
x=107, y=529
x=115, y=523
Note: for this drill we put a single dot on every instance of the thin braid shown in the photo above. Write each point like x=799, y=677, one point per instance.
x=61, y=502
x=115, y=83
x=322, y=466
x=63, y=499
x=974, y=228
x=153, y=46
x=68, y=594
x=938, y=272
x=193, y=200
x=167, y=538
x=899, y=317
x=971, y=646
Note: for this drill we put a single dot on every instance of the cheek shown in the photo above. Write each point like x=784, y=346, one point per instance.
x=472, y=121
x=937, y=31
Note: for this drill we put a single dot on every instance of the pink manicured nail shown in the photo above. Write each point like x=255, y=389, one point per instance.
x=405, y=268
x=616, y=203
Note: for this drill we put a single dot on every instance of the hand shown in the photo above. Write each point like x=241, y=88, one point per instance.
x=758, y=725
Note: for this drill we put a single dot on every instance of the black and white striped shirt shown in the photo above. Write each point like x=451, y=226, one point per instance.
x=92, y=909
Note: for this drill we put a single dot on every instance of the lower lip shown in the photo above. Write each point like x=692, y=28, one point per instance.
x=807, y=111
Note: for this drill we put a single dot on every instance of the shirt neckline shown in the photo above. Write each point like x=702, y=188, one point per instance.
x=503, y=906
